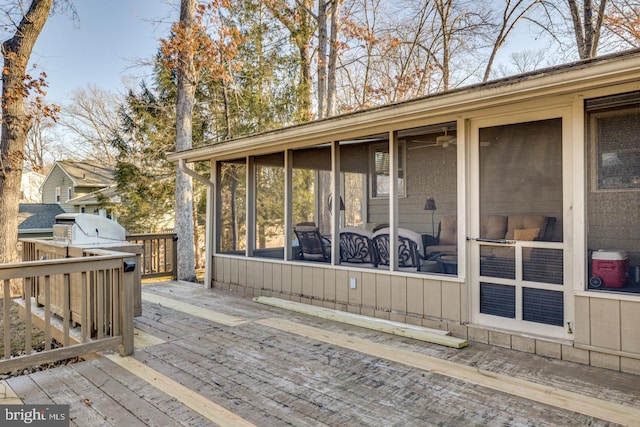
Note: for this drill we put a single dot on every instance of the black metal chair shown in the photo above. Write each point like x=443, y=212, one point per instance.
x=313, y=247
x=409, y=256
x=356, y=247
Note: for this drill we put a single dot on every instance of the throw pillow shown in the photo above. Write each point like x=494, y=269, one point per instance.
x=528, y=234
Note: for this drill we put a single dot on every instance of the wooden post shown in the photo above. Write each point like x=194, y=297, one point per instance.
x=6, y=307
x=127, y=312
x=174, y=255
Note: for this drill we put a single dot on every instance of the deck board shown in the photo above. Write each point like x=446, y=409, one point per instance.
x=104, y=409
x=178, y=413
x=273, y=375
x=123, y=396
x=52, y=383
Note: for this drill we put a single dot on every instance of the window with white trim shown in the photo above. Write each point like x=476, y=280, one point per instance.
x=381, y=173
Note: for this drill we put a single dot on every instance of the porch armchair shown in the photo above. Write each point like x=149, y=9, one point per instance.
x=313, y=247
x=356, y=247
x=409, y=249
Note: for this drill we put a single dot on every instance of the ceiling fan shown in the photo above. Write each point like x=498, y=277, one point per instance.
x=443, y=141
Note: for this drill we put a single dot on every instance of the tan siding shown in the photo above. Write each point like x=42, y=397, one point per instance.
x=630, y=326
x=355, y=295
x=267, y=276
x=277, y=278
x=605, y=323
x=369, y=294
x=582, y=327
x=383, y=292
x=286, y=279
x=432, y=298
x=330, y=285
x=307, y=281
x=399, y=294
x=342, y=286
x=451, y=301
x=415, y=296
x=317, y=275
x=296, y=280
x=227, y=270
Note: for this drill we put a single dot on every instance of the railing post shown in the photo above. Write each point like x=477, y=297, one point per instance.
x=174, y=261
x=128, y=277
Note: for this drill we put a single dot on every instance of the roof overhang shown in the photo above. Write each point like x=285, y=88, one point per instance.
x=570, y=78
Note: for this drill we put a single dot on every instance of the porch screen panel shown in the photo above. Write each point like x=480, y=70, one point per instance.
x=498, y=261
x=269, y=178
x=613, y=196
x=232, y=195
x=543, y=265
x=521, y=205
x=311, y=176
x=498, y=300
x=543, y=306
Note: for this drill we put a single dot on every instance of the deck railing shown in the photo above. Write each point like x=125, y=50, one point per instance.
x=84, y=303
x=160, y=254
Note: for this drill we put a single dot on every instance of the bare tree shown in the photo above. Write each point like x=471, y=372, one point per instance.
x=587, y=27
x=16, y=52
x=39, y=148
x=511, y=15
x=92, y=118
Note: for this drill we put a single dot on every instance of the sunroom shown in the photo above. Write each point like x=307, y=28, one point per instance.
x=512, y=207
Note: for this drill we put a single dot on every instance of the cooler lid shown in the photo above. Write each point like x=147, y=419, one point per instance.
x=609, y=255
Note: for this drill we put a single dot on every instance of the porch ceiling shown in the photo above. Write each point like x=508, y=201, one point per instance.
x=600, y=72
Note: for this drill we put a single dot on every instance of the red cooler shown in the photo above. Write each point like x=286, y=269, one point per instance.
x=610, y=266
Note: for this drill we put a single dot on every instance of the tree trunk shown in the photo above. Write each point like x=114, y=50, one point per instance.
x=15, y=124
x=184, y=185
x=333, y=57
x=586, y=31
x=322, y=57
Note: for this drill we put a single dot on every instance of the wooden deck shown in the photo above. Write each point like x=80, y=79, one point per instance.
x=207, y=357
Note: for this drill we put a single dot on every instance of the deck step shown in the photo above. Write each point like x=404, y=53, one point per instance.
x=435, y=336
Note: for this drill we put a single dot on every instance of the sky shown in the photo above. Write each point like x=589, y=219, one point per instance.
x=110, y=37
x=103, y=47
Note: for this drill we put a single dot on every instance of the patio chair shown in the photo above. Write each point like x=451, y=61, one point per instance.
x=313, y=247
x=409, y=248
x=356, y=247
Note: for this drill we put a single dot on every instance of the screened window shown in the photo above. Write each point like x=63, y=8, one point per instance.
x=617, y=148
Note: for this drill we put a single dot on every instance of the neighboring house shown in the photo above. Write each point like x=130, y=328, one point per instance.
x=515, y=205
x=30, y=187
x=97, y=202
x=35, y=220
x=75, y=186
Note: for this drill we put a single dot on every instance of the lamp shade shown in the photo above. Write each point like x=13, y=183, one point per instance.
x=430, y=204
x=330, y=203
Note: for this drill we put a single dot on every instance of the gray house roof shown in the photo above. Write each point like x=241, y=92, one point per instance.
x=38, y=216
x=110, y=193
x=86, y=173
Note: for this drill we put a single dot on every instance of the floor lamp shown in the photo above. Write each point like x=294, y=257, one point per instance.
x=430, y=205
